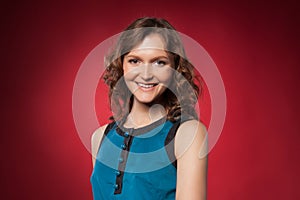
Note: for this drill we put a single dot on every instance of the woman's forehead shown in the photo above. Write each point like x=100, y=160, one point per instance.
x=152, y=41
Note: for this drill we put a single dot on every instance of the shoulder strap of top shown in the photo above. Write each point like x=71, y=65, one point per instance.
x=169, y=143
x=106, y=131
x=109, y=127
x=170, y=139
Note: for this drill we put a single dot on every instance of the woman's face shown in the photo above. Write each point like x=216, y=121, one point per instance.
x=147, y=69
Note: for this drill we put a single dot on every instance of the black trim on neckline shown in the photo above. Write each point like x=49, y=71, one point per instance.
x=138, y=131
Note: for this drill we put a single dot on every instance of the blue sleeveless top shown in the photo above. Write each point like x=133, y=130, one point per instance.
x=136, y=163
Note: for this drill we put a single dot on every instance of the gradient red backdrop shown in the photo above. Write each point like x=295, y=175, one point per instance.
x=254, y=44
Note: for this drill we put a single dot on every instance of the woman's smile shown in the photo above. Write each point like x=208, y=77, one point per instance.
x=147, y=86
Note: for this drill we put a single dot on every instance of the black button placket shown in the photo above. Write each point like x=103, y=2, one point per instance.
x=128, y=137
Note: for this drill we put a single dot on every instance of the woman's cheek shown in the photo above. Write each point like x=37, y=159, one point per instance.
x=130, y=71
x=129, y=77
x=166, y=76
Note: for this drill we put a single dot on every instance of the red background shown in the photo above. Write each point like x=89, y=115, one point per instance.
x=254, y=44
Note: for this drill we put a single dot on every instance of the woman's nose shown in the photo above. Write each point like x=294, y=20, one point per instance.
x=147, y=72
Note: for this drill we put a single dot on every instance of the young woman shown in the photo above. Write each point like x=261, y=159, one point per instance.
x=155, y=146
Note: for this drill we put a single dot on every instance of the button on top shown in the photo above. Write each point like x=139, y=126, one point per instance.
x=126, y=134
x=123, y=146
x=116, y=186
x=118, y=173
x=121, y=160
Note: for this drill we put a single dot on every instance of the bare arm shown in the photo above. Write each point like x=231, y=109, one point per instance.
x=95, y=141
x=191, y=154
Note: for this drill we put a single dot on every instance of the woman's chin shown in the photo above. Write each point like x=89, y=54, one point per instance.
x=144, y=99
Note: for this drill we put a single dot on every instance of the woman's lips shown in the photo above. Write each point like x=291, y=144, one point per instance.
x=147, y=86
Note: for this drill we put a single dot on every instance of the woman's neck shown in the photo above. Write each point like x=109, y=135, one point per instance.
x=142, y=114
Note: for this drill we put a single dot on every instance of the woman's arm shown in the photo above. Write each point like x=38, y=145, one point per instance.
x=95, y=142
x=191, y=154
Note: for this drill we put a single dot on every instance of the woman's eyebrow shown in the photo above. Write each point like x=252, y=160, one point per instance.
x=132, y=56
x=152, y=59
x=160, y=57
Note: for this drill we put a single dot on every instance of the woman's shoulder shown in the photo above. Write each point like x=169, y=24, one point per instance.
x=191, y=124
x=99, y=132
x=190, y=133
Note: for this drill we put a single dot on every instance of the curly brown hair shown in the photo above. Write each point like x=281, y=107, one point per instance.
x=180, y=98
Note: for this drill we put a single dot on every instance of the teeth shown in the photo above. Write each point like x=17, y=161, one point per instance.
x=146, y=86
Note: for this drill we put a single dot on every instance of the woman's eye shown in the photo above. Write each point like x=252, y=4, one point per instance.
x=160, y=62
x=133, y=61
